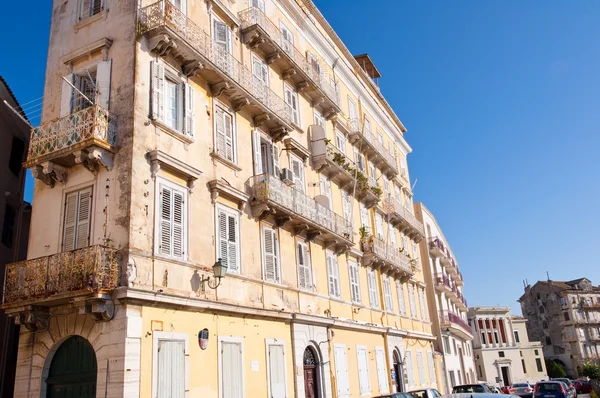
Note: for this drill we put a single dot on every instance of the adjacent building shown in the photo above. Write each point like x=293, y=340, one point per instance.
x=179, y=138
x=446, y=302
x=503, y=353
x=14, y=219
x=565, y=317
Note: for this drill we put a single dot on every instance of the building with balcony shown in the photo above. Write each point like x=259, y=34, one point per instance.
x=565, y=317
x=177, y=136
x=445, y=299
x=503, y=353
x=14, y=219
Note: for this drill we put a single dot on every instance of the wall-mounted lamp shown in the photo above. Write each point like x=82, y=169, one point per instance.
x=219, y=270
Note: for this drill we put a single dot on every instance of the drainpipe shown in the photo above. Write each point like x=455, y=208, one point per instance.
x=332, y=376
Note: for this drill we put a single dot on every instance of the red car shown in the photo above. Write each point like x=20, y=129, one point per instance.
x=583, y=387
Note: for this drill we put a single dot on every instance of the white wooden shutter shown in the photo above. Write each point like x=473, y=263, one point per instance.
x=171, y=369
x=341, y=371
x=422, y=304
x=178, y=220
x=387, y=293
x=379, y=225
x=346, y=205
x=66, y=96
x=431, y=368
x=188, y=118
x=277, y=371
x=85, y=9
x=166, y=219
x=409, y=368
x=158, y=91
x=325, y=188
x=228, y=128
x=232, y=370
x=298, y=171
x=367, y=127
x=304, y=267
x=420, y=367
x=381, y=370
x=70, y=221
x=270, y=256
x=340, y=142
x=258, y=169
x=352, y=109
x=372, y=286
x=260, y=4
x=228, y=240
x=220, y=131
x=276, y=167
x=392, y=233
x=103, y=76
x=411, y=299
x=354, y=282
x=84, y=213
x=363, y=371
x=333, y=271
x=401, y=302
x=319, y=120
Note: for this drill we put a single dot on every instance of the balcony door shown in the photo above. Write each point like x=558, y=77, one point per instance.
x=73, y=370
x=222, y=46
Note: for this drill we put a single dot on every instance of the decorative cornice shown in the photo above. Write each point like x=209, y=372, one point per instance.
x=221, y=188
x=87, y=51
x=159, y=160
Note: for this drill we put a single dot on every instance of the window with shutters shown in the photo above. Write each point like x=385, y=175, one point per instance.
x=372, y=173
x=363, y=370
x=291, y=98
x=319, y=119
x=401, y=302
x=266, y=155
x=325, y=188
x=260, y=4
x=359, y=159
x=271, y=261
x=228, y=238
x=379, y=226
x=415, y=254
x=409, y=368
x=88, y=8
x=431, y=368
x=392, y=234
x=367, y=127
x=77, y=220
x=222, y=37
x=411, y=300
x=297, y=167
x=387, y=293
x=171, y=220
x=421, y=368
x=340, y=142
x=231, y=367
x=16, y=156
x=170, y=368
x=276, y=369
x=372, y=286
x=380, y=137
x=288, y=39
x=225, y=134
x=422, y=304
x=314, y=64
x=346, y=205
x=333, y=273
x=260, y=69
x=364, y=217
x=381, y=370
x=354, y=281
x=341, y=371
x=172, y=100
x=304, y=266
x=352, y=109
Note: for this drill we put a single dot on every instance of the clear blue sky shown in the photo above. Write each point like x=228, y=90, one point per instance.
x=502, y=104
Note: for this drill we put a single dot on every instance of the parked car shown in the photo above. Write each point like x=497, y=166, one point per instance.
x=478, y=395
x=523, y=390
x=470, y=388
x=396, y=395
x=505, y=389
x=583, y=387
x=551, y=389
x=425, y=393
x=570, y=387
x=494, y=389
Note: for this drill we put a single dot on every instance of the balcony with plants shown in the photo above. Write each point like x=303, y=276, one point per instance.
x=307, y=73
x=374, y=149
x=404, y=220
x=390, y=260
x=292, y=208
x=332, y=162
x=169, y=31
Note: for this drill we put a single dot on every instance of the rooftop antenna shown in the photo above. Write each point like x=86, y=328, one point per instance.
x=412, y=189
x=548, y=275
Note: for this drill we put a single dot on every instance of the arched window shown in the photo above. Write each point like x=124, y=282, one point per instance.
x=548, y=341
x=541, y=309
x=309, y=357
x=545, y=325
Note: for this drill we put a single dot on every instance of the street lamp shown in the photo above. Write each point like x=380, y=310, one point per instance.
x=219, y=271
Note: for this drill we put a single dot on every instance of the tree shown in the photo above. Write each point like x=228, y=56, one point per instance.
x=555, y=369
x=590, y=370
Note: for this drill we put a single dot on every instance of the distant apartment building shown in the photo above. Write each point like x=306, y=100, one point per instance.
x=503, y=352
x=223, y=209
x=447, y=304
x=565, y=317
x=14, y=220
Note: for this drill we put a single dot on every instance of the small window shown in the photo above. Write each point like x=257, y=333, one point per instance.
x=387, y=293
x=501, y=354
x=517, y=339
x=524, y=367
x=447, y=345
x=173, y=101
x=304, y=267
x=563, y=301
x=228, y=233
x=372, y=286
x=536, y=352
x=8, y=226
x=541, y=309
x=297, y=167
x=364, y=217
x=538, y=363
x=354, y=281
x=172, y=220
x=548, y=341
x=16, y=156
x=222, y=37
x=88, y=8
x=291, y=98
x=544, y=325
x=566, y=316
x=333, y=273
x=78, y=212
x=319, y=119
x=225, y=136
x=260, y=69
x=340, y=142
x=271, y=262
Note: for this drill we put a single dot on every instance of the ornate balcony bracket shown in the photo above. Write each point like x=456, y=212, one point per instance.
x=288, y=73
x=49, y=173
x=93, y=157
x=223, y=188
x=35, y=319
x=238, y=105
x=191, y=68
x=281, y=221
x=261, y=119
x=262, y=211
x=302, y=86
x=300, y=229
x=312, y=235
x=278, y=133
x=217, y=89
x=100, y=307
x=254, y=39
x=273, y=57
x=162, y=45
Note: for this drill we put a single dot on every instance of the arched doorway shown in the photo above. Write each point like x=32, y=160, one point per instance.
x=398, y=370
x=311, y=363
x=73, y=370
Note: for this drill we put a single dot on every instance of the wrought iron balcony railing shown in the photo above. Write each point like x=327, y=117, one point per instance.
x=335, y=164
x=450, y=319
x=404, y=220
x=378, y=253
x=261, y=33
x=443, y=282
x=170, y=31
x=93, y=269
x=374, y=149
x=436, y=247
x=306, y=215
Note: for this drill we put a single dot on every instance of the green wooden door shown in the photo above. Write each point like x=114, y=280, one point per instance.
x=73, y=370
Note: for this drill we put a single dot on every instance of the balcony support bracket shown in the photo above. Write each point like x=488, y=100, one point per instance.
x=239, y=104
x=92, y=158
x=278, y=133
x=311, y=235
x=281, y=221
x=288, y=73
x=272, y=57
x=49, y=173
x=191, y=68
x=35, y=319
x=162, y=45
x=101, y=307
x=262, y=211
x=218, y=88
x=261, y=119
x=302, y=86
x=299, y=229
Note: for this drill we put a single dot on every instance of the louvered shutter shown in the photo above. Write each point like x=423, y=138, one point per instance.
x=374, y=300
x=103, y=75
x=332, y=288
x=276, y=167
x=220, y=131
x=392, y=233
x=270, y=255
x=325, y=190
x=298, y=171
x=431, y=368
x=85, y=9
x=277, y=371
x=188, y=119
x=256, y=142
x=346, y=205
x=171, y=369
x=411, y=299
x=401, y=303
x=301, y=274
x=178, y=209
x=363, y=371
x=228, y=128
x=166, y=215
x=233, y=239
x=84, y=210
x=352, y=109
x=381, y=370
x=354, y=283
x=409, y=368
x=341, y=371
x=421, y=368
x=379, y=225
x=158, y=91
x=232, y=371
x=66, y=96
x=70, y=221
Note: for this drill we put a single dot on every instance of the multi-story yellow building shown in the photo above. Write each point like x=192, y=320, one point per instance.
x=178, y=135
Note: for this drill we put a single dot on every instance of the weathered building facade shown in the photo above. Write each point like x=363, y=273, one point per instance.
x=14, y=219
x=503, y=353
x=565, y=317
x=447, y=303
x=178, y=135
